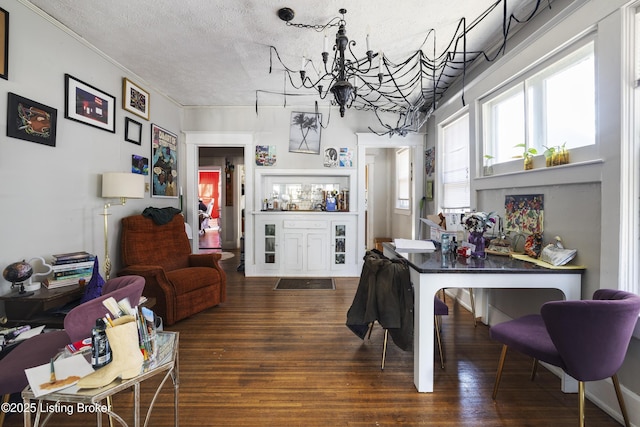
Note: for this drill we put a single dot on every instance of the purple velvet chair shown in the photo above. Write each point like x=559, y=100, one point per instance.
x=78, y=323
x=588, y=339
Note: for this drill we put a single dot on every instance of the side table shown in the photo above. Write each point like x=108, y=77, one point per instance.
x=166, y=362
x=21, y=310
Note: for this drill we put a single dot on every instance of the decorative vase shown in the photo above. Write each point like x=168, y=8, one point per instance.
x=477, y=238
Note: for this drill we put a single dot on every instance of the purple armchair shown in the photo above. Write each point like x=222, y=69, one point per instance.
x=78, y=323
x=588, y=339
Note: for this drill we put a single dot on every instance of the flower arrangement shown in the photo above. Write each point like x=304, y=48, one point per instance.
x=478, y=221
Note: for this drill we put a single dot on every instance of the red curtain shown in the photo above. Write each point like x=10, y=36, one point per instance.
x=208, y=184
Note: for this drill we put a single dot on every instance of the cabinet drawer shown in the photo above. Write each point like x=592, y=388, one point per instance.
x=308, y=224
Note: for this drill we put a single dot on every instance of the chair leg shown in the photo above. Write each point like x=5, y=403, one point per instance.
x=384, y=348
x=581, y=403
x=5, y=399
x=623, y=408
x=503, y=356
x=534, y=369
x=437, y=321
x=472, y=300
x=370, y=330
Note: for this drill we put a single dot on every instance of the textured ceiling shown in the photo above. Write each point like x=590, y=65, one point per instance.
x=216, y=52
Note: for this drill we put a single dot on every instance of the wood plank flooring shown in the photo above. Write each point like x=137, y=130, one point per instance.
x=286, y=358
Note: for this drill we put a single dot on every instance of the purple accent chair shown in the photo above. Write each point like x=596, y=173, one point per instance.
x=78, y=323
x=588, y=339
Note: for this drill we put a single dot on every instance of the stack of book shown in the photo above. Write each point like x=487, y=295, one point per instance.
x=69, y=269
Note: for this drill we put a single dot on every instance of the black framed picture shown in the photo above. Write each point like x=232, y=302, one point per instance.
x=89, y=105
x=132, y=131
x=30, y=120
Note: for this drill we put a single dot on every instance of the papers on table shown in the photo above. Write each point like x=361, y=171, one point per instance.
x=68, y=372
x=407, y=244
x=30, y=333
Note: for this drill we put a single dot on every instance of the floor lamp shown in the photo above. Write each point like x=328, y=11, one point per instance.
x=123, y=186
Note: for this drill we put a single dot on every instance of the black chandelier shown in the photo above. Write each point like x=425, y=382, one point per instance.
x=337, y=77
x=409, y=89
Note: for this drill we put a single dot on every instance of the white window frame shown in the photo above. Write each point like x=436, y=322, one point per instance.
x=403, y=180
x=561, y=60
x=455, y=163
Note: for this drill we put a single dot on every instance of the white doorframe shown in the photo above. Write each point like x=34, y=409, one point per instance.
x=194, y=140
x=416, y=141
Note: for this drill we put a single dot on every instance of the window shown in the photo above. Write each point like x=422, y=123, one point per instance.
x=455, y=170
x=552, y=105
x=403, y=178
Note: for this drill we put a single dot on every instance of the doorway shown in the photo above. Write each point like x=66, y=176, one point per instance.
x=217, y=176
x=376, y=164
x=209, y=208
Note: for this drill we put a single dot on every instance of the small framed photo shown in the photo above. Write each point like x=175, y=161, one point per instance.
x=31, y=121
x=304, y=133
x=139, y=165
x=132, y=131
x=89, y=105
x=4, y=44
x=135, y=99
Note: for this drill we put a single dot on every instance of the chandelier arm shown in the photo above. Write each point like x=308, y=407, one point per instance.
x=357, y=69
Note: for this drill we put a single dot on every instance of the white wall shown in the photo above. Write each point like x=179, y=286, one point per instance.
x=582, y=202
x=51, y=195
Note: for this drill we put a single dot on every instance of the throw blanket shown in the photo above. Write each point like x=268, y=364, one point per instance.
x=161, y=215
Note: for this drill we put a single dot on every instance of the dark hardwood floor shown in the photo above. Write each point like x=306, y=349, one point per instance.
x=286, y=358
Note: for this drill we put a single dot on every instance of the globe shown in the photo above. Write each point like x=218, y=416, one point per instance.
x=17, y=272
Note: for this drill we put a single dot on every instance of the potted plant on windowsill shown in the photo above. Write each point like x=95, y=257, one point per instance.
x=527, y=155
x=487, y=169
x=558, y=155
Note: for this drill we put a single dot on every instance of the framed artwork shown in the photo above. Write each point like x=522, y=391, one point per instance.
x=429, y=195
x=524, y=213
x=89, y=105
x=132, y=131
x=30, y=120
x=4, y=44
x=429, y=161
x=345, y=160
x=139, y=165
x=330, y=158
x=304, y=134
x=266, y=155
x=135, y=99
x=164, y=158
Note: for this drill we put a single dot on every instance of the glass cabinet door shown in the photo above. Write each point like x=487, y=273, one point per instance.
x=270, y=243
x=340, y=242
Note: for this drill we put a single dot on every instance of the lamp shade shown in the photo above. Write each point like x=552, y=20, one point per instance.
x=123, y=185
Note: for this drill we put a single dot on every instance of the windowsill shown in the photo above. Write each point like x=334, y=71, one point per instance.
x=400, y=211
x=571, y=173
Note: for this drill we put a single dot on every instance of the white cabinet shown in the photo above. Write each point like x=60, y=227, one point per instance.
x=292, y=256
x=317, y=252
x=311, y=245
x=267, y=244
x=305, y=246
